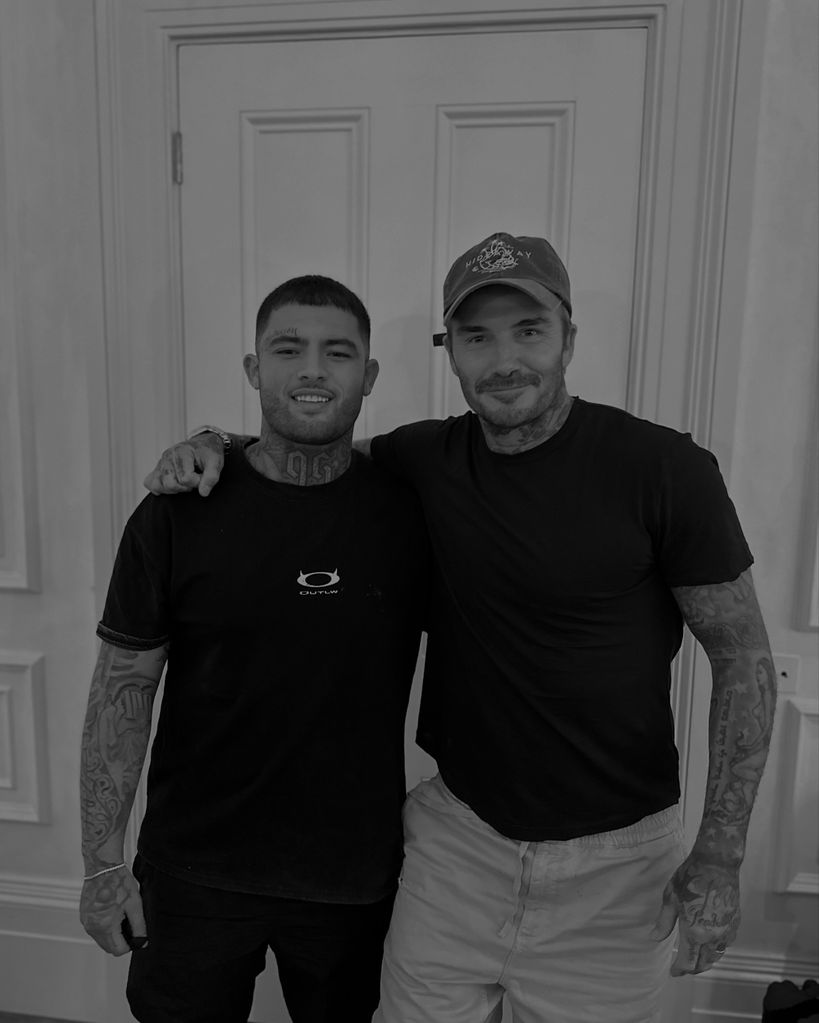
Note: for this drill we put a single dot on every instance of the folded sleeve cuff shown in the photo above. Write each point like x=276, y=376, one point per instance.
x=129, y=642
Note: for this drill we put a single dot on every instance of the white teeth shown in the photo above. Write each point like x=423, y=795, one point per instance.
x=316, y=398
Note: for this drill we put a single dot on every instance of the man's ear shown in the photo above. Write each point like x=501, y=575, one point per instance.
x=568, y=345
x=371, y=369
x=251, y=367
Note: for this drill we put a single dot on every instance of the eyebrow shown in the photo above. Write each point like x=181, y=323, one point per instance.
x=291, y=337
x=533, y=321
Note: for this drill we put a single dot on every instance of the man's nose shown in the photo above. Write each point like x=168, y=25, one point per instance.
x=312, y=366
x=507, y=356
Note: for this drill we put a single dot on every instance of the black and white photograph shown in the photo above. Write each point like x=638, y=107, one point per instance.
x=409, y=511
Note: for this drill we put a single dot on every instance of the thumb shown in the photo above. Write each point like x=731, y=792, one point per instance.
x=136, y=921
x=666, y=919
x=151, y=481
x=211, y=471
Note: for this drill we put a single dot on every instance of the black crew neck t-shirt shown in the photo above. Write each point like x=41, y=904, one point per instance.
x=547, y=674
x=294, y=616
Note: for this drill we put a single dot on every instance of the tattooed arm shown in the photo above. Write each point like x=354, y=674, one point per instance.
x=114, y=744
x=189, y=465
x=704, y=892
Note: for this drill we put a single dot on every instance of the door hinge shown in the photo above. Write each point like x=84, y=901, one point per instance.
x=176, y=157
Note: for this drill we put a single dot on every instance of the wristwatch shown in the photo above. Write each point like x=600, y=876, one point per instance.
x=224, y=437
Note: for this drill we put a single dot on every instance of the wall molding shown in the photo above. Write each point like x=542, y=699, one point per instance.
x=712, y=208
x=19, y=509
x=24, y=781
x=42, y=892
x=796, y=785
x=806, y=602
x=705, y=294
x=293, y=21
x=760, y=967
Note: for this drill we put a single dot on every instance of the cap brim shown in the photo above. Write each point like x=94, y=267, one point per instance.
x=539, y=292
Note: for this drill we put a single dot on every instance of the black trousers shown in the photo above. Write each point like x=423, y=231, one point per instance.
x=206, y=947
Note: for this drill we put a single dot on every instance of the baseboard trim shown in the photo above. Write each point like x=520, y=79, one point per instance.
x=753, y=967
x=44, y=892
x=733, y=989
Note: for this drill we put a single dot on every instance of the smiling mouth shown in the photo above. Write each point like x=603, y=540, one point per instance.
x=311, y=399
x=505, y=387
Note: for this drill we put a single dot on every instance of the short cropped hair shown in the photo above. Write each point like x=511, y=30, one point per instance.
x=316, y=291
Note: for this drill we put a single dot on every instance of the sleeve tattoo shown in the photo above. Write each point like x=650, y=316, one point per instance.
x=114, y=743
x=726, y=620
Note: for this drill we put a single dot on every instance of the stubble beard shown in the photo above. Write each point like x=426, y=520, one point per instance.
x=304, y=453
x=280, y=422
x=545, y=417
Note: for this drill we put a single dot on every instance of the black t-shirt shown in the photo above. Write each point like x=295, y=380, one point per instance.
x=546, y=687
x=294, y=616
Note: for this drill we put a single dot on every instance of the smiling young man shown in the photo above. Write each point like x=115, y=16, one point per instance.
x=289, y=610
x=572, y=542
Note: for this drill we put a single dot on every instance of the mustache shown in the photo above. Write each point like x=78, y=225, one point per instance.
x=502, y=383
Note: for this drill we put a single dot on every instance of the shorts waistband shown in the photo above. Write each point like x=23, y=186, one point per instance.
x=433, y=792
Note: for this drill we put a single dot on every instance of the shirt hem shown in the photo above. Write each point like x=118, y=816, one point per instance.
x=333, y=896
x=533, y=833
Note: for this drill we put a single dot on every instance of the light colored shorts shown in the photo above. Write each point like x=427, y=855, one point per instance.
x=563, y=928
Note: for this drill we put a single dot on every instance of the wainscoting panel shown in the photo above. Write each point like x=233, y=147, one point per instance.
x=23, y=738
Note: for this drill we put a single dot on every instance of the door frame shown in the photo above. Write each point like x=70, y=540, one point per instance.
x=703, y=78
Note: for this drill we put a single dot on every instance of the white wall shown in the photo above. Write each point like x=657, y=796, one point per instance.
x=49, y=190
x=50, y=193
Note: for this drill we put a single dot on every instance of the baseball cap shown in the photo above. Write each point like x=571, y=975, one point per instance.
x=528, y=264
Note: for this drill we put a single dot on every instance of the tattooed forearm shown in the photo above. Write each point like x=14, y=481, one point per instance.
x=114, y=744
x=725, y=618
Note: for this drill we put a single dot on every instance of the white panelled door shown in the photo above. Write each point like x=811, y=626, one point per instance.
x=377, y=161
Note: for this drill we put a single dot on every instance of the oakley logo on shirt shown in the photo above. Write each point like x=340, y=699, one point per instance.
x=318, y=582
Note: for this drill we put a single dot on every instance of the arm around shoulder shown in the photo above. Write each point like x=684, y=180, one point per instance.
x=192, y=464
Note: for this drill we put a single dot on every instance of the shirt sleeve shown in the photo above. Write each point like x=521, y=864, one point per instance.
x=700, y=540
x=136, y=615
x=405, y=451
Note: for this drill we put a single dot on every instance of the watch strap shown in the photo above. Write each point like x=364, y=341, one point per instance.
x=224, y=437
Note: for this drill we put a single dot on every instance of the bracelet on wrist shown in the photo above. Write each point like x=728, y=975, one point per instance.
x=106, y=870
x=224, y=437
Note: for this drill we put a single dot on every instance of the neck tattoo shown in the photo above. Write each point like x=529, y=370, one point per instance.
x=512, y=440
x=302, y=465
x=306, y=469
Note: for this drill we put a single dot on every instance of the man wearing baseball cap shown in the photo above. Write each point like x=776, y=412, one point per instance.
x=573, y=541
